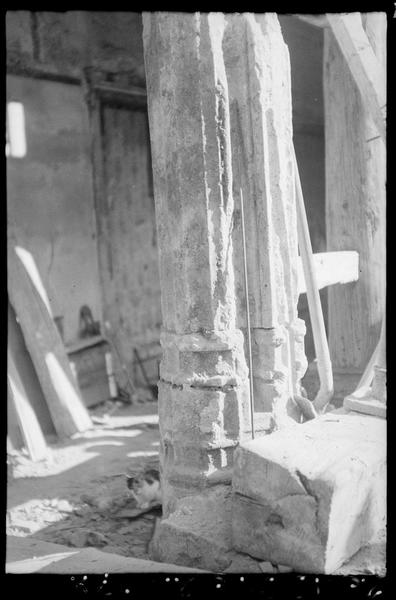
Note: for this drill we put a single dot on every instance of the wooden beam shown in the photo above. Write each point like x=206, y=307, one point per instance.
x=355, y=208
x=18, y=401
x=366, y=70
x=315, y=20
x=44, y=343
x=326, y=389
x=23, y=362
x=365, y=399
x=331, y=268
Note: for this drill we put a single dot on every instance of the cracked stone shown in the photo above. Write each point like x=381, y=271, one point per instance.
x=312, y=496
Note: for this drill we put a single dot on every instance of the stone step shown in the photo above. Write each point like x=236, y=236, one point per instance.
x=30, y=555
x=312, y=495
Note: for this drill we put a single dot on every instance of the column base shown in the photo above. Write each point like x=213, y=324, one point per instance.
x=198, y=534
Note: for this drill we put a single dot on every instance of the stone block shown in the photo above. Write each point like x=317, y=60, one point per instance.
x=267, y=567
x=207, y=359
x=311, y=496
x=241, y=563
x=198, y=532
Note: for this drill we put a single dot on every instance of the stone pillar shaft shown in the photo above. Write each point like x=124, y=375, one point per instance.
x=258, y=73
x=203, y=393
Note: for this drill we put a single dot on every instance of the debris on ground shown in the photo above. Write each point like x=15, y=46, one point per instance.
x=78, y=496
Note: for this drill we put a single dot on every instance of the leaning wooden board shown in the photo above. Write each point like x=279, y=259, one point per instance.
x=18, y=401
x=27, y=296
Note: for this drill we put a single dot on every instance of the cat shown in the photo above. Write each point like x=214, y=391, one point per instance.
x=146, y=489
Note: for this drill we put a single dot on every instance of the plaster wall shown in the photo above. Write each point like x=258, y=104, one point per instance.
x=50, y=199
x=50, y=190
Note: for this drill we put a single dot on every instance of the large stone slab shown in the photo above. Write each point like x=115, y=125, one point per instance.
x=312, y=495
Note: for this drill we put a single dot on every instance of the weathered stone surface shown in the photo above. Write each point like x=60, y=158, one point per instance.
x=311, y=496
x=211, y=359
x=284, y=569
x=190, y=141
x=241, y=563
x=267, y=567
x=370, y=560
x=203, y=394
x=258, y=74
x=198, y=532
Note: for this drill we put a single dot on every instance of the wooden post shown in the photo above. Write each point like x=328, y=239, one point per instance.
x=355, y=208
x=367, y=71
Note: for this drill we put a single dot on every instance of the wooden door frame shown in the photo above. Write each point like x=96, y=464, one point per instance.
x=99, y=94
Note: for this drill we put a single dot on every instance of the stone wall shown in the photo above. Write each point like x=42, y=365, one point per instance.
x=66, y=43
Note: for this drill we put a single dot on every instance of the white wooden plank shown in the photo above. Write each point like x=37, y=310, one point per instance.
x=366, y=405
x=44, y=344
x=27, y=420
x=326, y=388
x=331, y=268
x=366, y=70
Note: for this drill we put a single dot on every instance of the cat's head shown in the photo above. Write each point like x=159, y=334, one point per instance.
x=137, y=483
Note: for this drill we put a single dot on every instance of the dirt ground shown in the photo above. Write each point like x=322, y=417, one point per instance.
x=78, y=496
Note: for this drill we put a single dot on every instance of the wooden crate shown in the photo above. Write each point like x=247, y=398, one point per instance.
x=88, y=359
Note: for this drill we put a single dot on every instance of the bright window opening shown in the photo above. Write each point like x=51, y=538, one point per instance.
x=16, y=133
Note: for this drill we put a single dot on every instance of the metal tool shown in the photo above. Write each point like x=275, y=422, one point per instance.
x=249, y=339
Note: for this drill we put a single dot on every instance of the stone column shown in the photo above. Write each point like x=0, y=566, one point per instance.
x=355, y=209
x=203, y=392
x=258, y=73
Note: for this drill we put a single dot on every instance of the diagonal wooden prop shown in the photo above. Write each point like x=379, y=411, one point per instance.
x=326, y=389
